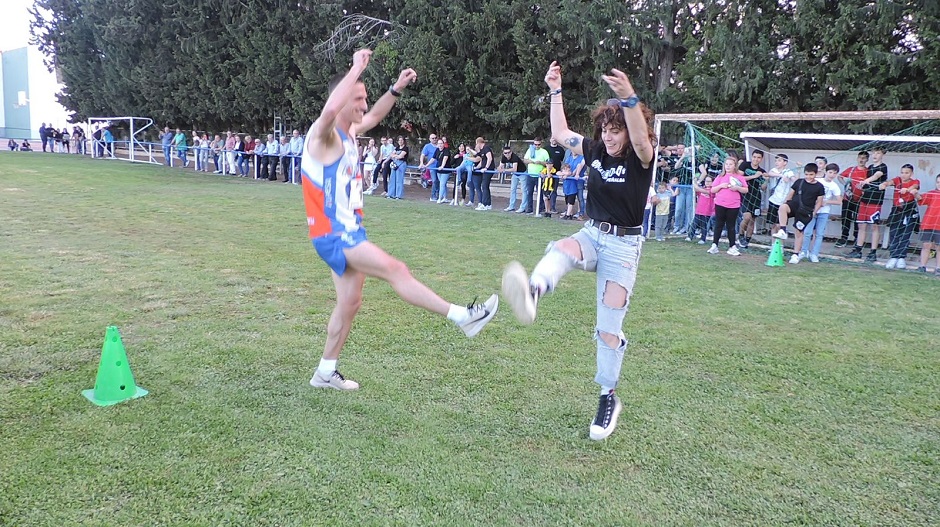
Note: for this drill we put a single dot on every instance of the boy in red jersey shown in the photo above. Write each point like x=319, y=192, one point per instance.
x=903, y=216
x=851, y=177
x=930, y=226
x=332, y=190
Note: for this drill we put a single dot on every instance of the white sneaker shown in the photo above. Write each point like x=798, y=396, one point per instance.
x=733, y=251
x=813, y=258
x=508, y=209
x=701, y=242
x=803, y=255
x=335, y=381
x=480, y=207
x=795, y=259
x=488, y=207
x=781, y=234
x=469, y=203
x=461, y=203
x=892, y=263
x=432, y=200
x=480, y=315
x=369, y=192
x=520, y=211
x=902, y=263
x=713, y=249
x=688, y=239
x=518, y=292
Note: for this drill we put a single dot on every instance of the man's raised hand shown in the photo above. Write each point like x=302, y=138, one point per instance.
x=406, y=77
x=361, y=59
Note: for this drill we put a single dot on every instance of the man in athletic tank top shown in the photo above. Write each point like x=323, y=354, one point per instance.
x=332, y=190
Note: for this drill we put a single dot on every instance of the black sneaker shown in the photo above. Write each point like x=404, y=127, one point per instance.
x=855, y=253
x=872, y=256
x=922, y=269
x=744, y=242
x=608, y=409
x=840, y=243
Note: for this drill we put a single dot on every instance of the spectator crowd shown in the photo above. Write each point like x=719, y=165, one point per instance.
x=721, y=197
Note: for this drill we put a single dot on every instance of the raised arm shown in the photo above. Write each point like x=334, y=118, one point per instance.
x=340, y=96
x=560, y=130
x=382, y=106
x=636, y=121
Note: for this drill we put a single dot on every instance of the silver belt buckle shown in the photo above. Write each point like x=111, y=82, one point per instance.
x=606, y=230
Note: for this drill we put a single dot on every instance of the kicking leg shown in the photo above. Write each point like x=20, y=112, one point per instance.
x=371, y=260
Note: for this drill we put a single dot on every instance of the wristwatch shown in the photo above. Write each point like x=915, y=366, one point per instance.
x=630, y=101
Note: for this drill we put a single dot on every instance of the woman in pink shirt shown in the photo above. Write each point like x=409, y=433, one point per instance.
x=727, y=189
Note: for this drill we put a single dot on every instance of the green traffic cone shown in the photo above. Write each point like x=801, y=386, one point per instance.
x=776, y=255
x=115, y=382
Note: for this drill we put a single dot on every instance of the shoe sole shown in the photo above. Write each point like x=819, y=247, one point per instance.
x=472, y=330
x=604, y=433
x=318, y=384
x=516, y=292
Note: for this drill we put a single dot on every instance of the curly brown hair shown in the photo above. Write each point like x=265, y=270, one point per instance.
x=608, y=114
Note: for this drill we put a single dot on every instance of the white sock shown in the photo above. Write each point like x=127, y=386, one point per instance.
x=458, y=314
x=550, y=269
x=327, y=367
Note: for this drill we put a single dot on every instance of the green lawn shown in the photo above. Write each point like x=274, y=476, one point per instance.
x=805, y=395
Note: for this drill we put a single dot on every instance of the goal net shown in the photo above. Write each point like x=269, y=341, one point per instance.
x=888, y=217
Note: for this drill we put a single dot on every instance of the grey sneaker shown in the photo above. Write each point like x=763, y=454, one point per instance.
x=518, y=292
x=335, y=381
x=608, y=409
x=480, y=315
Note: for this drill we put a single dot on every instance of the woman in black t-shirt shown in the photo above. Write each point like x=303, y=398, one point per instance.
x=619, y=161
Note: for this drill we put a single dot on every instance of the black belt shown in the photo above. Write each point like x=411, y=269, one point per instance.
x=616, y=230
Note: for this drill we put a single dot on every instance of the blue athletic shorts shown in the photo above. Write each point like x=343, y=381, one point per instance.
x=330, y=247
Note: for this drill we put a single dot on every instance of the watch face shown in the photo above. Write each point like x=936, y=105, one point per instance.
x=630, y=102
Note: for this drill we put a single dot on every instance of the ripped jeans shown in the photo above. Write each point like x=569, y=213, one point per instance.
x=615, y=260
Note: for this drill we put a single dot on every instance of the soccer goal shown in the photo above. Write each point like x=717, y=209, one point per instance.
x=917, y=147
x=127, y=137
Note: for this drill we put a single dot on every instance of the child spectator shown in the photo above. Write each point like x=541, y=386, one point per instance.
x=674, y=188
x=570, y=187
x=812, y=242
x=783, y=179
x=903, y=216
x=751, y=202
x=661, y=201
x=803, y=201
x=651, y=193
x=851, y=195
x=930, y=226
x=869, y=206
x=704, y=209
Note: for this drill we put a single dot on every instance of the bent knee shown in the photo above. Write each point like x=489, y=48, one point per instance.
x=571, y=247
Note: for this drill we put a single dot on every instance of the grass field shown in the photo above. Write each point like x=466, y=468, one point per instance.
x=760, y=396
